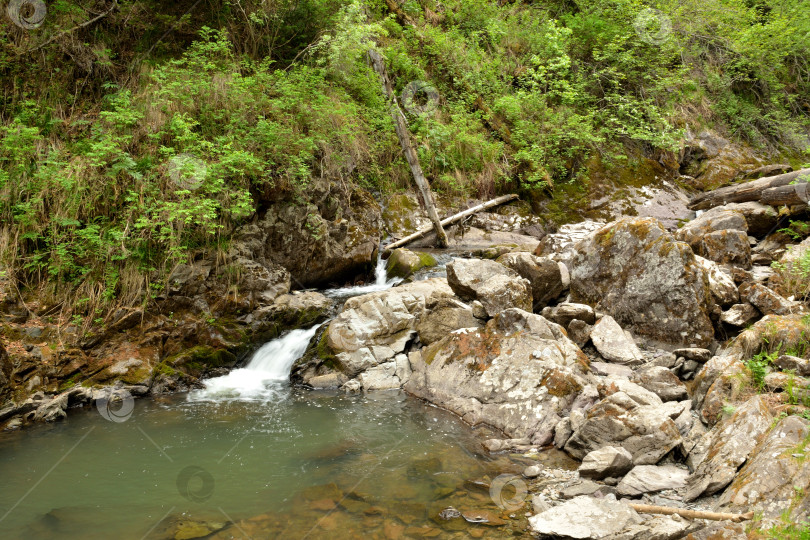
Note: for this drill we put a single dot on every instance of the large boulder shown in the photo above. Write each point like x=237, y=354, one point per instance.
x=561, y=245
x=646, y=431
x=651, y=478
x=767, y=301
x=547, y=277
x=634, y=270
x=726, y=447
x=776, y=480
x=760, y=218
x=330, y=239
x=370, y=330
x=520, y=374
x=662, y=382
x=494, y=285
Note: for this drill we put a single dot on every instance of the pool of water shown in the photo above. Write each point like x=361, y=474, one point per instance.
x=297, y=464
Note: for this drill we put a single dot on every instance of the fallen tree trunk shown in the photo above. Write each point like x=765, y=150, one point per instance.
x=411, y=156
x=749, y=191
x=798, y=193
x=691, y=514
x=451, y=220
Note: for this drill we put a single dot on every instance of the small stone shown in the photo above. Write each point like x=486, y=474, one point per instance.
x=799, y=366
x=580, y=332
x=583, y=487
x=694, y=353
x=532, y=471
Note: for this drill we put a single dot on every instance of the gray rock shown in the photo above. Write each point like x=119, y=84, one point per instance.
x=800, y=366
x=583, y=487
x=562, y=432
x=612, y=384
x=520, y=374
x=721, y=283
x=651, y=478
x=694, y=353
x=727, y=447
x=445, y=316
x=767, y=301
x=662, y=382
x=584, y=518
x=776, y=480
x=494, y=285
x=605, y=462
x=646, y=431
x=566, y=312
x=579, y=332
x=617, y=370
x=636, y=272
x=545, y=275
x=740, y=315
x=532, y=471
x=52, y=410
x=330, y=380
x=613, y=344
x=561, y=245
x=760, y=218
x=404, y=262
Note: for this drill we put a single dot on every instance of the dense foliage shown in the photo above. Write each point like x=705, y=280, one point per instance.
x=129, y=144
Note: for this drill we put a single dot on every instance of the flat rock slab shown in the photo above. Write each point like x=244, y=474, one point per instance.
x=613, y=344
x=584, y=517
x=651, y=478
x=606, y=462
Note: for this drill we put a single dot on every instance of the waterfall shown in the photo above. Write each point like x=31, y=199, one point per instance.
x=268, y=367
x=381, y=282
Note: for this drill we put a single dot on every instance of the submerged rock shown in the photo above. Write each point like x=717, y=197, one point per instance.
x=635, y=271
x=520, y=374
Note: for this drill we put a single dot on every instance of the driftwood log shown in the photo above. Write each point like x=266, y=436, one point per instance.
x=690, y=514
x=451, y=220
x=754, y=191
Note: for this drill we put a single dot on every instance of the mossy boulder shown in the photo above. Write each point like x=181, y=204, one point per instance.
x=404, y=262
x=635, y=271
x=200, y=359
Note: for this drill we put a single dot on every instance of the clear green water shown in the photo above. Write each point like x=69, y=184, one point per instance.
x=299, y=464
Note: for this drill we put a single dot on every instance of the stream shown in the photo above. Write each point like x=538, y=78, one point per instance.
x=250, y=456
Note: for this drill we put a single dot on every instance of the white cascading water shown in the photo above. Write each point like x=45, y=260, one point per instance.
x=270, y=366
x=381, y=283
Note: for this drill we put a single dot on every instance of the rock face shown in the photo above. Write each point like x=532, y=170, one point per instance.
x=520, y=374
x=776, y=479
x=494, y=285
x=651, y=478
x=646, y=431
x=726, y=447
x=584, y=517
x=606, y=462
x=332, y=238
x=561, y=245
x=548, y=278
x=635, y=271
x=612, y=343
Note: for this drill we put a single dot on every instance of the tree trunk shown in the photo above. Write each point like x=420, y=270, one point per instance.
x=401, y=127
x=798, y=193
x=451, y=220
x=749, y=191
